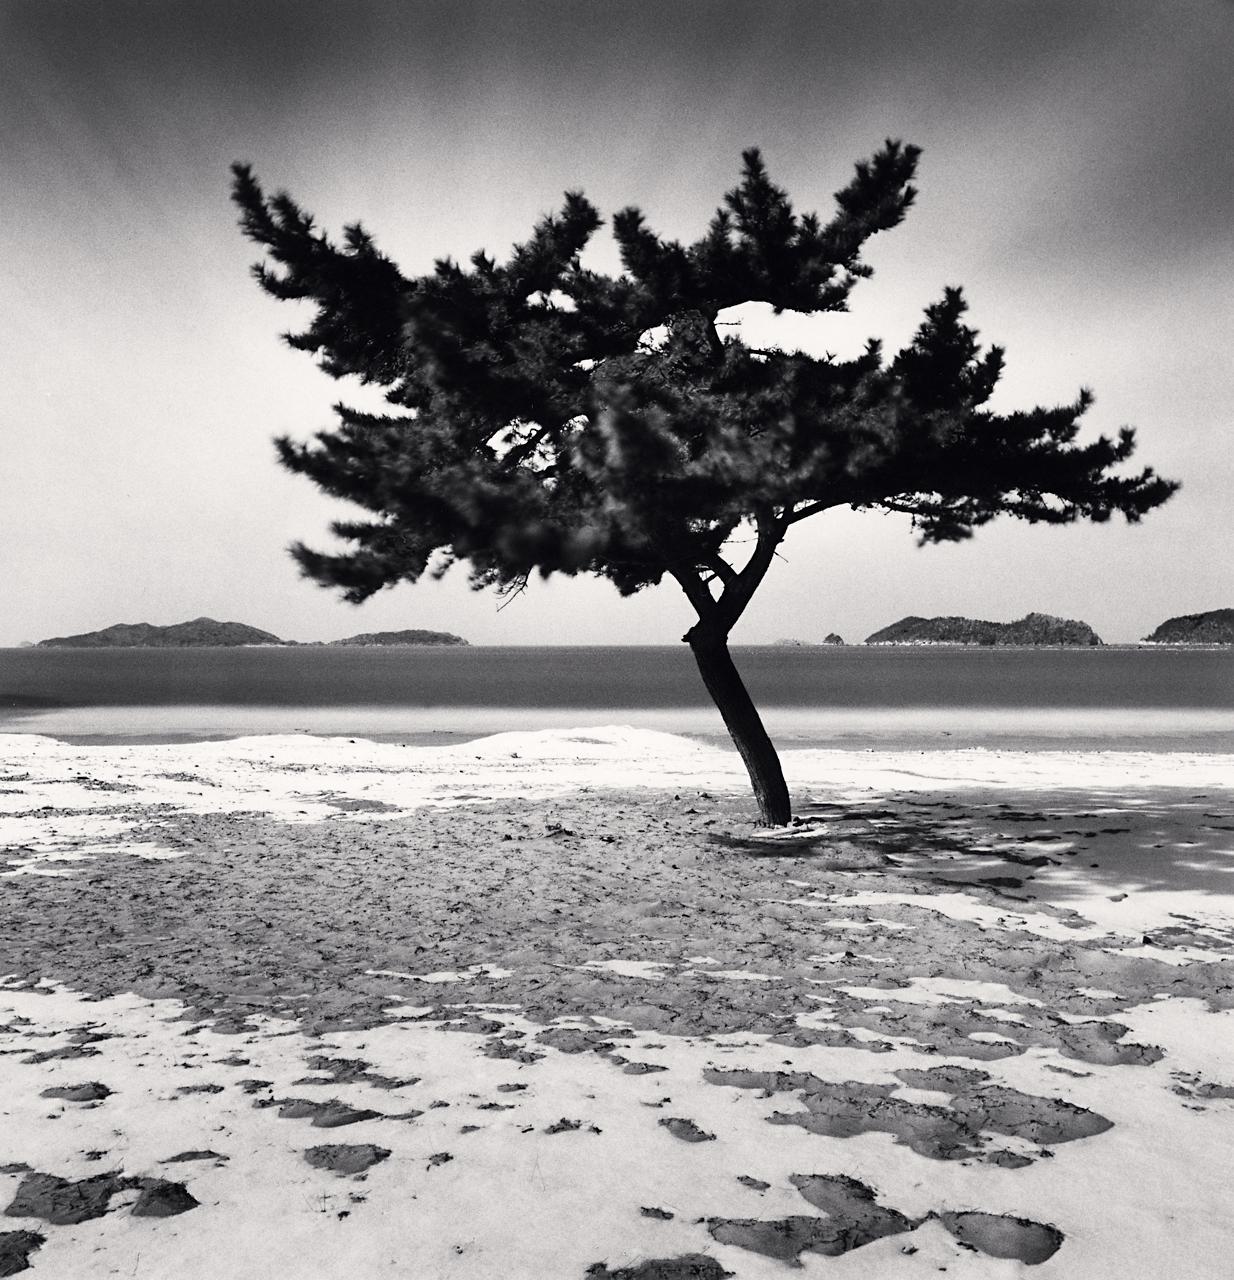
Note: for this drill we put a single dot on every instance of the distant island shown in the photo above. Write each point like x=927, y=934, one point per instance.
x=1214, y=627
x=401, y=638
x=198, y=634
x=1032, y=629
x=789, y=642
x=206, y=633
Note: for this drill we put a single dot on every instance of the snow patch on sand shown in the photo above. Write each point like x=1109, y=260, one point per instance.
x=493, y=1166
x=648, y=970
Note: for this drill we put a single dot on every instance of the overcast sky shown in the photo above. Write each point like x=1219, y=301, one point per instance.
x=1077, y=179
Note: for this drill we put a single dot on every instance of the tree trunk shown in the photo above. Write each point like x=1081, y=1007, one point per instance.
x=741, y=718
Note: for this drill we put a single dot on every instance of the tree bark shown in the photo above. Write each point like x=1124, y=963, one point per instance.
x=745, y=726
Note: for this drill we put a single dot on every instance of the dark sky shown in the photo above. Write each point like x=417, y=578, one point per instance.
x=1077, y=179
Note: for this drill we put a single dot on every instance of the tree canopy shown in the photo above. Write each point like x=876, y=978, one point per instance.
x=545, y=417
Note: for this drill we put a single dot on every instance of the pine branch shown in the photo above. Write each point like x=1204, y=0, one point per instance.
x=633, y=461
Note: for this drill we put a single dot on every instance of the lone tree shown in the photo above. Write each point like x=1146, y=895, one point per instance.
x=548, y=418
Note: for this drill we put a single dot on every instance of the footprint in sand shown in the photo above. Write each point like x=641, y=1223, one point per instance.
x=346, y=1159
x=89, y=1091
x=855, y=1218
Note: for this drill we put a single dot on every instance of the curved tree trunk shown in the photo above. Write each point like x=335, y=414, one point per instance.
x=745, y=726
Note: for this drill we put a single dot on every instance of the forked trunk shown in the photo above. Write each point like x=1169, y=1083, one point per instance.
x=745, y=726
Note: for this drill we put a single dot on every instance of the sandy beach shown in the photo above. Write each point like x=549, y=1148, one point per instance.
x=548, y=1005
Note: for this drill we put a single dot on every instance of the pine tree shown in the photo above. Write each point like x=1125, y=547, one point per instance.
x=546, y=418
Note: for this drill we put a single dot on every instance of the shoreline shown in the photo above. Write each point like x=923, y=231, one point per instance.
x=1203, y=730
x=1225, y=645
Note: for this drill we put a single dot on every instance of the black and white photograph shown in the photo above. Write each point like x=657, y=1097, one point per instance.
x=616, y=639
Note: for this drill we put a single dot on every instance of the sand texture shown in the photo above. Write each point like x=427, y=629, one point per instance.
x=549, y=1005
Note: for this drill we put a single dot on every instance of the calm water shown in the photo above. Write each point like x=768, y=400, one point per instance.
x=1170, y=699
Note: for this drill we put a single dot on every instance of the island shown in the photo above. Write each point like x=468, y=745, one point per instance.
x=1032, y=629
x=401, y=638
x=791, y=643
x=206, y=633
x=1214, y=627
x=200, y=633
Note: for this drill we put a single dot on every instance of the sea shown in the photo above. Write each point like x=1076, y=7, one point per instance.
x=851, y=697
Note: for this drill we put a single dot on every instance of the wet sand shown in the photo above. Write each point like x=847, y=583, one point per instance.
x=571, y=1014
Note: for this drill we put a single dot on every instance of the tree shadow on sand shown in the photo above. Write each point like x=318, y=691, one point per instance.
x=1057, y=847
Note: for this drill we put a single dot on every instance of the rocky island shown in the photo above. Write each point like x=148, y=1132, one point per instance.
x=396, y=638
x=206, y=633
x=1214, y=627
x=197, y=634
x=789, y=642
x=1032, y=629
